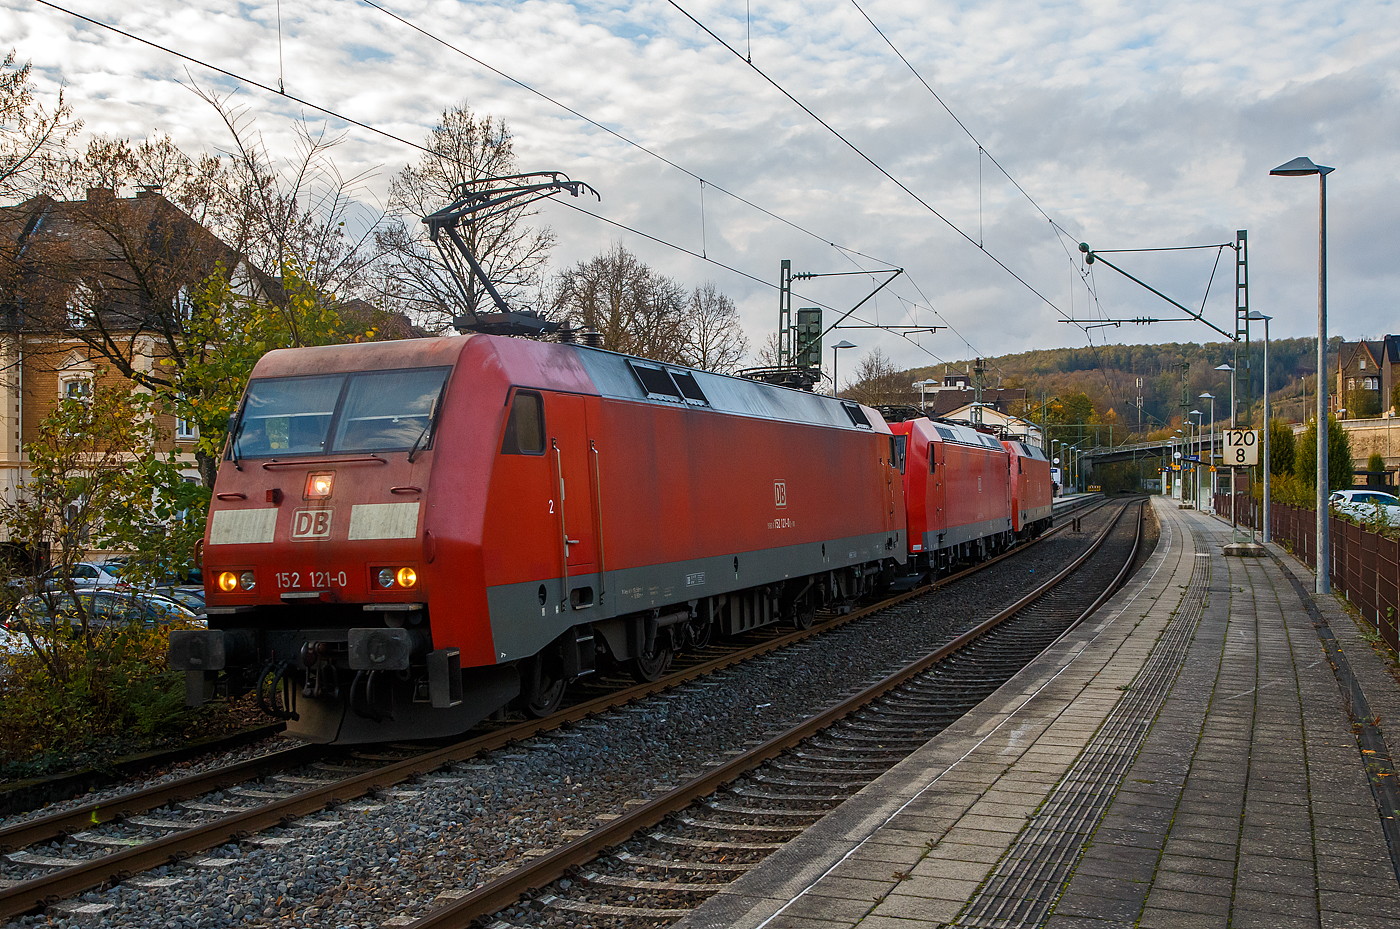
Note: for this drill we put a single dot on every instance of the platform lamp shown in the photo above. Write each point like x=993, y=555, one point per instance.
x=1256, y=315
x=1211, y=397
x=1196, y=468
x=1303, y=167
x=835, y=349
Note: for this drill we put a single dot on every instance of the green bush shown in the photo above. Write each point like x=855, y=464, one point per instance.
x=107, y=690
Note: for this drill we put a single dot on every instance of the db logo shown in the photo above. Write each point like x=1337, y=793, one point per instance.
x=311, y=524
x=780, y=494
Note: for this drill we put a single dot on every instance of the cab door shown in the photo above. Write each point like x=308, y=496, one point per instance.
x=570, y=454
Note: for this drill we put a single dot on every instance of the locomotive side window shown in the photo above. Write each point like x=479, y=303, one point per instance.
x=656, y=382
x=388, y=409
x=857, y=415
x=899, y=447
x=686, y=382
x=525, y=427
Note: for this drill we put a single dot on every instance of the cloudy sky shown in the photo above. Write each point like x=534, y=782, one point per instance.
x=1126, y=124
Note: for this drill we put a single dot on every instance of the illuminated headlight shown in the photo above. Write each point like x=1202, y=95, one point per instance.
x=407, y=577
x=319, y=485
x=247, y=580
x=386, y=577
x=228, y=581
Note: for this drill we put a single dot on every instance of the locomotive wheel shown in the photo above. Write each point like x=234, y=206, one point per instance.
x=547, y=700
x=647, y=668
x=544, y=688
x=804, y=613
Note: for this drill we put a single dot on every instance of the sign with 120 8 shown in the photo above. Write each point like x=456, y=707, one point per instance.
x=1241, y=447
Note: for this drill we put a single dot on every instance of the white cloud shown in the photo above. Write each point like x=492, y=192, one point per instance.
x=1132, y=124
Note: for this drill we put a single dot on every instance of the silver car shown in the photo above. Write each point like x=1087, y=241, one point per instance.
x=1367, y=506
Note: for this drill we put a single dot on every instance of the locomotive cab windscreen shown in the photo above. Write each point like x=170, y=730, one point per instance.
x=338, y=413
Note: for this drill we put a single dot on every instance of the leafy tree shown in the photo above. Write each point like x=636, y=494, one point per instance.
x=30, y=135
x=228, y=333
x=1339, y=461
x=878, y=381
x=298, y=210
x=1374, y=463
x=636, y=310
x=1361, y=403
x=714, y=339
x=1282, y=448
x=464, y=147
x=98, y=480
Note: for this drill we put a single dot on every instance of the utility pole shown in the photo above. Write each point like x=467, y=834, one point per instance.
x=977, y=372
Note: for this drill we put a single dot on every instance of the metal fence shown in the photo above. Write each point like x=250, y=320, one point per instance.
x=1365, y=566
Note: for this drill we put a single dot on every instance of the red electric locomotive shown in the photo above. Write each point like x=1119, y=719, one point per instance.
x=957, y=491
x=407, y=537
x=1032, y=491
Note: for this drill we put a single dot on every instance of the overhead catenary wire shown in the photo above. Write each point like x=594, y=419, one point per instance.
x=415, y=145
x=368, y=127
x=867, y=159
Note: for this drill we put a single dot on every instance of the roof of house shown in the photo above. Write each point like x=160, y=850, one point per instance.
x=127, y=255
x=945, y=401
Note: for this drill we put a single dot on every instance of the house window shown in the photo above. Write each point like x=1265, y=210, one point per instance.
x=185, y=430
x=1370, y=383
x=1351, y=383
x=1363, y=364
x=77, y=388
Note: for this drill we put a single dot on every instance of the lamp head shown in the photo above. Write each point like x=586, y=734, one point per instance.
x=1224, y=367
x=1207, y=396
x=1300, y=167
x=1255, y=314
x=843, y=344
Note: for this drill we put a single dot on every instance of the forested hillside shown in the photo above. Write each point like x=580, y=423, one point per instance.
x=1108, y=376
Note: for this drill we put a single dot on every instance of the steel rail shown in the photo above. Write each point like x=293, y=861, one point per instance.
x=22, y=835
x=18, y=797
x=117, y=866
x=501, y=893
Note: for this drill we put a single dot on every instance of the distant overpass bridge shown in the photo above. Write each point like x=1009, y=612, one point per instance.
x=1199, y=446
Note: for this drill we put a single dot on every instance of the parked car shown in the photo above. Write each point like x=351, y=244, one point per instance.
x=107, y=606
x=85, y=574
x=191, y=598
x=1367, y=506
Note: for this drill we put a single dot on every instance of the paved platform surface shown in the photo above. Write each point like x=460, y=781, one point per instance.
x=1188, y=757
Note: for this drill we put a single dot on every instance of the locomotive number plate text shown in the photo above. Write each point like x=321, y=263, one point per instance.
x=294, y=580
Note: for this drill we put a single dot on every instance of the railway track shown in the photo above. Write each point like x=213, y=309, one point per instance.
x=653, y=865
x=104, y=843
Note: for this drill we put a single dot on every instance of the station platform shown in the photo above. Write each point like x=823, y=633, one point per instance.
x=1205, y=750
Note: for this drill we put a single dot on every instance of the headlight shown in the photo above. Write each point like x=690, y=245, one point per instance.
x=407, y=577
x=319, y=485
x=247, y=580
x=228, y=581
x=386, y=577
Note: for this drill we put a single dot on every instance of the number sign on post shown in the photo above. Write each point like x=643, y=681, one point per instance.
x=1241, y=447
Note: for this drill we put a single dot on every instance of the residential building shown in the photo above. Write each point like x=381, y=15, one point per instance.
x=1366, y=378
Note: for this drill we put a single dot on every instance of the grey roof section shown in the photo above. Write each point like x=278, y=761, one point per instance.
x=966, y=435
x=612, y=374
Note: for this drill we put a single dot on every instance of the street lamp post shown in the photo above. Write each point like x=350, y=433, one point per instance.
x=835, y=349
x=922, y=386
x=1211, y=397
x=1196, y=468
x=1302, y=167
x=1255, y=314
